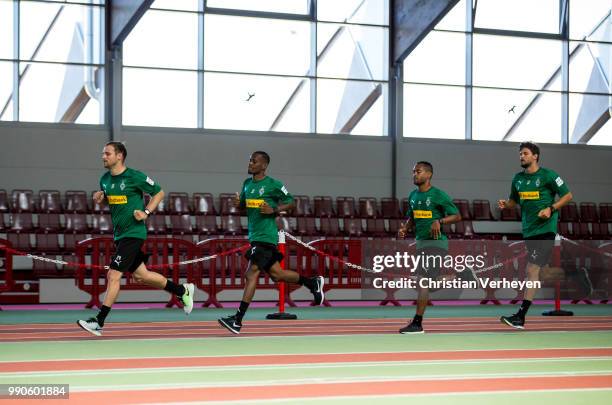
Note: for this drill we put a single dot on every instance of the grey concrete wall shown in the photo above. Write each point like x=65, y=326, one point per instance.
x=64, y=157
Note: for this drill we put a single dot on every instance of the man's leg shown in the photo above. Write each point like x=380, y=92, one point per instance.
x=416, y=325
x=314, y=284
x=185, y=292
x=234, y=323
x=113, y=286
x=518, y=320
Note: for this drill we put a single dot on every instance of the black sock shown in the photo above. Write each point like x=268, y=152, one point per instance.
x=104, y=310
x=241, y=311
x=308, y=282
x=524, y=308
x=176, y=289
x=417, y=319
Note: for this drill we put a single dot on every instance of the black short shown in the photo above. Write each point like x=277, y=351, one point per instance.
x=539, y=248
x=128, y=255
x=431, y=268
x=263, y=254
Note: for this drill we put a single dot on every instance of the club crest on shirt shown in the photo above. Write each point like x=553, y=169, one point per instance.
x=538, y=183
x=261, y=191
x=122, y=185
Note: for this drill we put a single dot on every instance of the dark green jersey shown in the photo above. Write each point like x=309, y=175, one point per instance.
x=424, y=209
x=124, y=193
x=262, y=227
x=534, y=192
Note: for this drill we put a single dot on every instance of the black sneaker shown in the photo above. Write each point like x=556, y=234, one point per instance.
x=317, y=290
x=230, y=324
x=516, y=321
x=91, y=325
x=412, y=329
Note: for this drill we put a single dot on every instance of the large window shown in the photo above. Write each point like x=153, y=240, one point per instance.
x=513, y=70
x=57, y=72
x=270, y=65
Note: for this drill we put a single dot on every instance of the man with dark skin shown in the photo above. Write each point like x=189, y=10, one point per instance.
x=429, y=208
x=534, y=189
x=264, y=198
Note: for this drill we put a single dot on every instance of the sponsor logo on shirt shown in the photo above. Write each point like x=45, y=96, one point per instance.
x=117, y=199
x=150, y=181
x=284, y=190
x=529, y=195
x=422, y=214
x=254, y=203
x=559, y=181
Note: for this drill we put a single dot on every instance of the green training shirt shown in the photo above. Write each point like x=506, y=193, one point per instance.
x=534, y=192
x=124, y=193
x=262, y=227
x=424, y=209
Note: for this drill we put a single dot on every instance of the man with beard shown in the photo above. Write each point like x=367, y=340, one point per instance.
x=428, y=208
x=534, y=189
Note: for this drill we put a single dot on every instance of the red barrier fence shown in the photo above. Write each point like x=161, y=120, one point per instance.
x=6, y=267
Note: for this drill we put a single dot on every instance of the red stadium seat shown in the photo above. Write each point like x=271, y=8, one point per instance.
x=101, y=224
x=21, y=222
x=50, y=201
x=230, y=225
x=330, y=226
x=101, y=208
x=323, y=206
x=390, y=208
x=306, y=226
x=206, y=225
x=284, y=223
x=49, y=223
x=345, y=207
x=588, y=212
x=76, y=201
x=569, y=213
x=464, y=208
x=302, y=206
x=605, y=211
x=482, y=210
x=178, y=203
x=181, y=224
x=47, y=243
x=375, y=227
x=203, y=204
x=368, y=207
x=227, y=204
x=4, y=204
x=22, y=201
x=508, y=214
x=353, y=227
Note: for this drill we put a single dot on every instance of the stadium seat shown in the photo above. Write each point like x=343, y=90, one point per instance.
x=508, y=214
x=226, y=201
x=22, y=201
x=330, y=226
x=284, y=223
x=302, y=206
x=345, y=207
x=390, y=208
x=464, y=208
x=482, y=210
x=76, y=202
x=101, y=224
x=306, y=226
x=49, y=201
x=178, y=203
x=375, y=227
x=230, y=225
x=4, y=204
x=368, y=207
x=203, y=204
x=588, y=212
x=181, y=224
x=353, y=227
x=206, y=225
x=49, y=223
x=323, y=206
x=569, y=213
x=101, y=208
x=605, y=212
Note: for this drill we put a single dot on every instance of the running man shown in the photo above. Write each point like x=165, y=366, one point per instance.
x=534, y=189
x=429, y=208
x=265, y=198
x=123, y=188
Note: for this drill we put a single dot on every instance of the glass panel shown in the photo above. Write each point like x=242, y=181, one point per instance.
x=61, y=32
x=6, y=90
x=439, y=58
x=353, y=52
x=164, y=98
x=185, y=5
x=272, y=6
x=589, y=117
x=514, y=115
x=590, y=67
x=343, y=104
x=261, y=103
x=6, y=29
x=374, y=12
x=256, y=45
x=522, y=63
x=585, y=16
x=518, y=15
x=55, y=93
x=455, y=20
x=434, y=111
x=173, y=47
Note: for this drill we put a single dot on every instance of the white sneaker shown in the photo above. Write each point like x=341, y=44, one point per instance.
x=187, y=298
x=91, y=325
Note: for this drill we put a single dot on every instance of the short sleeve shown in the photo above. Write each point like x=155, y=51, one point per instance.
x=284, y=196
x=408, y=212
x=557, y=184
x=447, y=204
x=146, y=184
x=513, y=192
